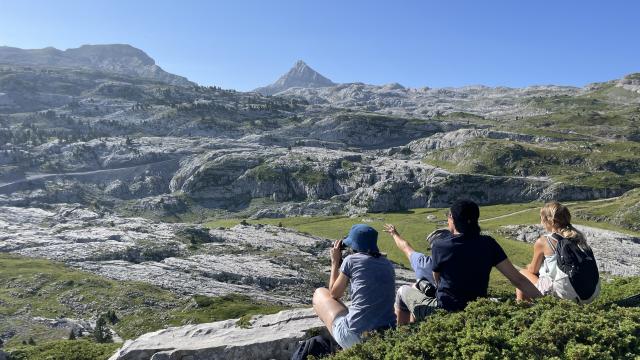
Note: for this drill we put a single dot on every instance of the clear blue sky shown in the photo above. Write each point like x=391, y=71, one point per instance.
x=243, y=44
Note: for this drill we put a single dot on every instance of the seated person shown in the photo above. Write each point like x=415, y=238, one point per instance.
x=372, y=281
x=544, y=271
x=459, y=266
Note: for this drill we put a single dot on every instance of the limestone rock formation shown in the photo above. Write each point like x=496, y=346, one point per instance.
x=266, y=337
x=265, y=262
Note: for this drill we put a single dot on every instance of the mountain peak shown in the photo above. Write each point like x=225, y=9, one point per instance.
x=121, y=59
x=300, y=75
x=112, y=52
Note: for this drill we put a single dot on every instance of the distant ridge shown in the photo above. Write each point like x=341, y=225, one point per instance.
x=300, y=75
x=114, y=58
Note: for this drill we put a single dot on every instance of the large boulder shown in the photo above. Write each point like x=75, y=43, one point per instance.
x=264, y=337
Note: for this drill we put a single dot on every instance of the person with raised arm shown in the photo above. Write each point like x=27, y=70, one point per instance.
x=458, y=269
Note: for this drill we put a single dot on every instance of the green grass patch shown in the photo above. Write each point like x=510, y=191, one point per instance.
x=36, y=287
x=414, y=225
x=266, y=173
x=600, y=165
x=310, y=176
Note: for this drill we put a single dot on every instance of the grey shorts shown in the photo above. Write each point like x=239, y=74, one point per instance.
x=416, y=302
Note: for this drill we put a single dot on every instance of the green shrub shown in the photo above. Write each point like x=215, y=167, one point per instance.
x=101, y=333
x=310, y=176
x=266, y=173
x=550, y=328
x=64, y=350
x=194, y=236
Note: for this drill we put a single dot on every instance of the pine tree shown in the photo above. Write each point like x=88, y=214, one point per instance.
x=101, y=333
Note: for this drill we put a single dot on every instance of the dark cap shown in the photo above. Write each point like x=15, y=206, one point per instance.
x=465, y=215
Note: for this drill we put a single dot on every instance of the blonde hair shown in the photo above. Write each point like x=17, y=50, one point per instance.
x=558, y=217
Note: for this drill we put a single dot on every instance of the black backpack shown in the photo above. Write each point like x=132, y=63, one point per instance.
x=579, y=265
x=318, y=346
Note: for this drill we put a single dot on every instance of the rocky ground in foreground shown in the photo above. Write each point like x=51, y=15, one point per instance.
x=264, y=262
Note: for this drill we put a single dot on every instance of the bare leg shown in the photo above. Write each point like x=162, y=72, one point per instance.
x=327, y=307
x=403, y=316
x=532, y=277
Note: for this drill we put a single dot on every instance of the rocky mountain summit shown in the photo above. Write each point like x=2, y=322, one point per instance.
x=114, y=58
x=300, y=75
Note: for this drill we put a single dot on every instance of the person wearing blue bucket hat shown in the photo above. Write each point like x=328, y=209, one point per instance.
x=362, y=238
x=372, y=288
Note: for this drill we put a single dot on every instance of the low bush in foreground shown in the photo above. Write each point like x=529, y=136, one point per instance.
x=65, y=350
x=548, y=329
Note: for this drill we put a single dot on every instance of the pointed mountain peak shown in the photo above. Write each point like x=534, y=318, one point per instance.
x=300, y=75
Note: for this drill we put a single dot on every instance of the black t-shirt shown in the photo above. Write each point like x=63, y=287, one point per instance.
x=464, y=263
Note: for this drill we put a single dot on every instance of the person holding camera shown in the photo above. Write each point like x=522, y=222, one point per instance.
x=458, y=269
x=372, y=289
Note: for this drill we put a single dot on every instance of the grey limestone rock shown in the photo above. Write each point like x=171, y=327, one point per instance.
x=267, y=337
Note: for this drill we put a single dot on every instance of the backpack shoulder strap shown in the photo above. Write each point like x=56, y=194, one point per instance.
x=555, y=237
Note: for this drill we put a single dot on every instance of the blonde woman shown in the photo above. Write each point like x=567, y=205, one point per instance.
x=563, y=264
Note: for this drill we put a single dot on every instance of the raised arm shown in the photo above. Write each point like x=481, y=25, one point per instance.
x=401, y=243
x=518, y=280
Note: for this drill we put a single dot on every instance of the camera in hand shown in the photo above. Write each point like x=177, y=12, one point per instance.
x=426, y=287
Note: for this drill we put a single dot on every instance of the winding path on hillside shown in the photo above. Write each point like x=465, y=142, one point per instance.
x=534, y=208
x=40, y=176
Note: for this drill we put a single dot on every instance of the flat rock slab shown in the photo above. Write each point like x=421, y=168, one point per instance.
x=267, y=337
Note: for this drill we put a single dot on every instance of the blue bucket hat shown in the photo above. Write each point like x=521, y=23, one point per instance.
x=362, y=238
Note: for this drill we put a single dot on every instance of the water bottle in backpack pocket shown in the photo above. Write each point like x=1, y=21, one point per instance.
x=577, y=277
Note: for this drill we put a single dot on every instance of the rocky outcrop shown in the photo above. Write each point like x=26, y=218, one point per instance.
x=613, y=250
x=264, y=262
x=630, y=82
x=427, y=102
x=457, y=138
x=264, y=337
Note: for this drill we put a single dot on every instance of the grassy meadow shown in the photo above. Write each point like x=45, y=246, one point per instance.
x=414, y=225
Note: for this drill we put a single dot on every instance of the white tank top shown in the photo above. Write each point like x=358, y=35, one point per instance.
x=550, y=264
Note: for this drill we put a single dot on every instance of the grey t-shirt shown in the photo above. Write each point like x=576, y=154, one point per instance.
x=372, y=282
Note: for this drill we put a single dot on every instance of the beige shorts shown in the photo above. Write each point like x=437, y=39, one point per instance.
x=408, y=298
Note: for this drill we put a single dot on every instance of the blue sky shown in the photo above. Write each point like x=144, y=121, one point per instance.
x=243, y=44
